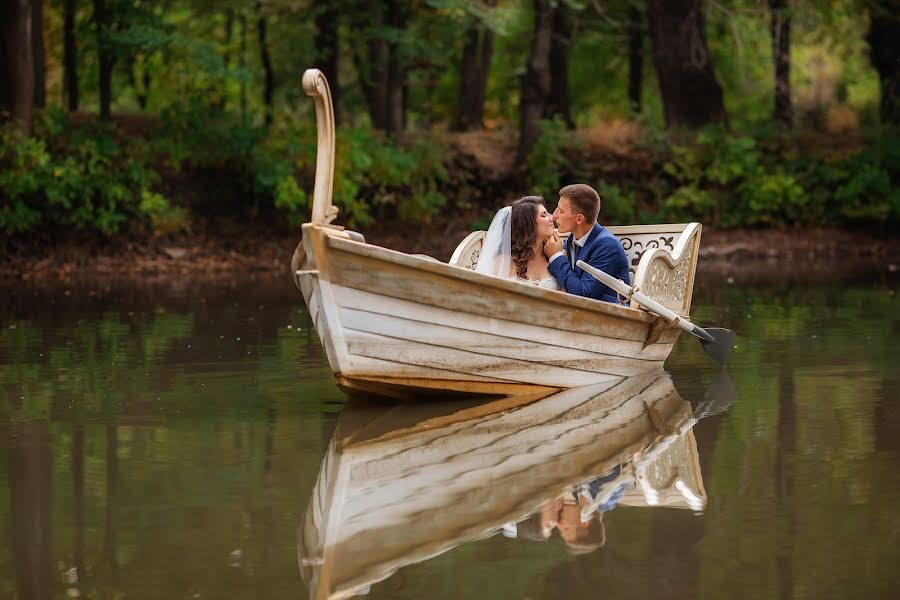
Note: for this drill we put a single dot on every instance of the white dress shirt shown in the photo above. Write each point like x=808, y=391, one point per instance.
x=580, y=242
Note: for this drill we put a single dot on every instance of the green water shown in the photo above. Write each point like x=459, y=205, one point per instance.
x=165, y=442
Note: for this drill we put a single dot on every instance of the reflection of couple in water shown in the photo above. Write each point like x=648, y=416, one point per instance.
x=523, y=244
x=577, y=514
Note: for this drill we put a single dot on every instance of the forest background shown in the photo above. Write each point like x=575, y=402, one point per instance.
x=171, y=120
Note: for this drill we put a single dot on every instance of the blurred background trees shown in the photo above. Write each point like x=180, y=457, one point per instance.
x=130, y=113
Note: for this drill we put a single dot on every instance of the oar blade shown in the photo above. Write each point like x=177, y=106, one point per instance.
x=719, y=348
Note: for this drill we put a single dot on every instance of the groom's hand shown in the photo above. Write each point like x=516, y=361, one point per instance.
x=552, y=245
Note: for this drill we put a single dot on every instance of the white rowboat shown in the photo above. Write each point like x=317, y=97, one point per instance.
x=405, y=325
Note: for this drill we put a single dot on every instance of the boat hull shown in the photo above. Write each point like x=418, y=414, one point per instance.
x=401, y=325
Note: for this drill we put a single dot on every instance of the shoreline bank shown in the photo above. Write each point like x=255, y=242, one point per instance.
x=209, y=258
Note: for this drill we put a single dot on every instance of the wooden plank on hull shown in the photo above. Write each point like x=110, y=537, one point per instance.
x=497, y=368
x=424, y=388
x=404, y=329
x=361, y=300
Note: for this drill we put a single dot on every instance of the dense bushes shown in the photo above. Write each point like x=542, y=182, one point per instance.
x=728, y=179
x=73, y=178
x=733, y=181
x=94, y=178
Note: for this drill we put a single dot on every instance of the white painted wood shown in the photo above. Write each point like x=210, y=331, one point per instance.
x=502, y=330
x=315, y=85
x=403, y=329
x=468, y=251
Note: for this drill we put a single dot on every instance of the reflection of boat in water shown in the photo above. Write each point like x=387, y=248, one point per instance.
x=400, y=485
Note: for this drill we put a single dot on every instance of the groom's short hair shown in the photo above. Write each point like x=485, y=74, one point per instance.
x=584, y=199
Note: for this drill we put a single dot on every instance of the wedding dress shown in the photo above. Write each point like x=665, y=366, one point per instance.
x=497, y=250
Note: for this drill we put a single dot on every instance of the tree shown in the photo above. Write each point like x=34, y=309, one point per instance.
x=70, y=55
x=268, y=73
x=39, y=58
x=381, y=64
x=691, y=95
x=558, y=100
x=473, y=74
x=105, y=57
x=635, y=57
x=327, y=45
x=781, y=57
x=473, y=77
x=398, y=16
x=536, y=81
x=16, y=64
x=884, y=52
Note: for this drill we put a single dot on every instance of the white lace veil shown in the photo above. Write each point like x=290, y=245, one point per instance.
x=496, y=252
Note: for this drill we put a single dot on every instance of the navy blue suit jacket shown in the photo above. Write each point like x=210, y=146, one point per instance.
x=602, y=250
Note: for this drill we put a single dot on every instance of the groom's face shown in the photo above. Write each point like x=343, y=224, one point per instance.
x=565, y=216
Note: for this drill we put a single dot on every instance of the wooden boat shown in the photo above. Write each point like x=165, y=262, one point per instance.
x=400, y=485
x=398, y=324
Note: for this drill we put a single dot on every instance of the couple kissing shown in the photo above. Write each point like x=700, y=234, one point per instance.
x=523, y=243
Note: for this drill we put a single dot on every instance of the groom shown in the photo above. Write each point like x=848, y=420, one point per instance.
x=576, y=213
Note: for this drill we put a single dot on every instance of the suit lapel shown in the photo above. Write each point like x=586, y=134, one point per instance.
x=583, y=253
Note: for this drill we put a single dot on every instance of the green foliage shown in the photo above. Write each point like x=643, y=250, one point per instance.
x=548, y=161
x=70, y=177
x=617, y=207
x=735, y=180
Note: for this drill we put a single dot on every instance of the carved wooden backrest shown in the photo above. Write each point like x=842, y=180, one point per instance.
x=469, y=250
x=662, y=260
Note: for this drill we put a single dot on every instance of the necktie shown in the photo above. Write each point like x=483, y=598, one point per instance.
x=575, y=249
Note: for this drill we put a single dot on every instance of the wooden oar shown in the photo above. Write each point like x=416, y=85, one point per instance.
x=716, y=341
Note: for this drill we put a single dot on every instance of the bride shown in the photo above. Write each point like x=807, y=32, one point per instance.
x=513, y=247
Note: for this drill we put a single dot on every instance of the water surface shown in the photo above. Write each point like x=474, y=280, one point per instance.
x=166, y=443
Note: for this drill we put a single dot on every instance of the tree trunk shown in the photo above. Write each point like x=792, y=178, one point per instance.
x=269, y=75
x=105, y=58
x=781, y=58
x=70, y=56
x=16, y=64
x=536, y=81
x=39, y=57
x=635, y=59
x=242, y=63
x=558, y=101
x=691, y=95
x=884, y=52
x=473, y=76
x=327, y=45
x=396, y=71
x=370, y=59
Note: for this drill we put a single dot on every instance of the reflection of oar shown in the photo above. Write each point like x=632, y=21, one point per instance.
x=719, y=396
x=717, y=342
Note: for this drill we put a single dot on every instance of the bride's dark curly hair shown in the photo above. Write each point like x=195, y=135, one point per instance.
x=523, y=231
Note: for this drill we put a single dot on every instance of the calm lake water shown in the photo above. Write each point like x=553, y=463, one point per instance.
x=166, y=443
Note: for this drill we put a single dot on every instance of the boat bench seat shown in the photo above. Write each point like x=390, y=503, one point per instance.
x=662, y=259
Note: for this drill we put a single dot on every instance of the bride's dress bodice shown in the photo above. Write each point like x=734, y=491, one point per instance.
x=549, y=283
